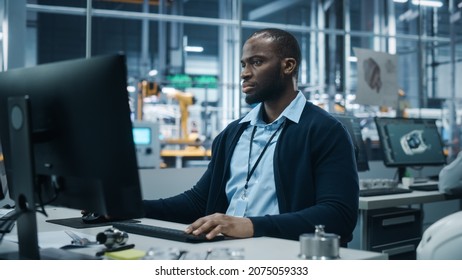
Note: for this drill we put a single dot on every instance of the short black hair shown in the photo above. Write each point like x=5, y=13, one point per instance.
x=286, y=44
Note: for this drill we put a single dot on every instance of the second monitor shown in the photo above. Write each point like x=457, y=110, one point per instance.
x=353, y=126
x=408, y=142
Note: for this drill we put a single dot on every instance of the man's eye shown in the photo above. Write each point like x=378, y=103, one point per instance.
x=257, y=62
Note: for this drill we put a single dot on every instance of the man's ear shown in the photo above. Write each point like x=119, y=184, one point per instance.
x=288, y=65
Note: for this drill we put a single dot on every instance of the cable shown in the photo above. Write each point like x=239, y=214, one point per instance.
x=40, y=204
x=56, y=188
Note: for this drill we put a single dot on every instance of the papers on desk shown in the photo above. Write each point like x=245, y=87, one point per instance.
x=3, y=212
x=54, y=239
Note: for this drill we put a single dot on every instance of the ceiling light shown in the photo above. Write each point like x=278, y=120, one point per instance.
x=152, y=73
x=409, y=15
x=131, y=88
x=197, y=49
x=352, y=59
x=428, y=3
x=400, y=1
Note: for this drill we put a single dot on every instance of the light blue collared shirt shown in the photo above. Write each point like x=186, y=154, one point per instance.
x=261, y=192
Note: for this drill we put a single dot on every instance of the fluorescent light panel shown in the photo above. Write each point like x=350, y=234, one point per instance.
x=352, y=59
x=197, y=49
x=400, y=1
x=428, y=3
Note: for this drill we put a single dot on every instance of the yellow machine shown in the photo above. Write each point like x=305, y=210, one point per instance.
x=146, y=89
x=185, y=99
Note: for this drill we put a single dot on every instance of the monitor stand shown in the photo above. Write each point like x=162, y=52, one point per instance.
x=401, y=172
x=22, y=181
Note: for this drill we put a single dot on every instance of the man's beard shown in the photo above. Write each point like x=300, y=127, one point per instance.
x=270, y=92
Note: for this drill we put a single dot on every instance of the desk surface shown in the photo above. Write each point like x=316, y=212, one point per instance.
x=393, y=200
x=180, y=141
x=186, y=153
x=254, y=248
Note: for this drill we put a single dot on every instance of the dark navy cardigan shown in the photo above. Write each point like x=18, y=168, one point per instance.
x=315, y=173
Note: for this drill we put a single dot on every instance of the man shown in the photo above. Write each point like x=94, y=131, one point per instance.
x=279, y=171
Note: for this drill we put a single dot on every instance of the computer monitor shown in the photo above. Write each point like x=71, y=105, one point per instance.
x=147, y=144
x=353, y=126
x=67, y=137
x=410, y=142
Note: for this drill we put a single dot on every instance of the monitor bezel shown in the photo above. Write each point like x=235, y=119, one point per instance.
x=380, y=122
x=361, y=156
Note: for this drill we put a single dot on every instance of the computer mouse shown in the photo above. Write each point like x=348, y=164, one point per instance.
x=94, y=218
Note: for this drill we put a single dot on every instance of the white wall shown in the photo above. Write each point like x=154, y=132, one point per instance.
x=163, y=183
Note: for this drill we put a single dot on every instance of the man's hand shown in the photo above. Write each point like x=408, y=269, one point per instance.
x=217, y=223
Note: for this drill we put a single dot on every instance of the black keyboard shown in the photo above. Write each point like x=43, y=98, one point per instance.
x=424, y=187
x=382, y=191
x=164, y=233
x=7, y=222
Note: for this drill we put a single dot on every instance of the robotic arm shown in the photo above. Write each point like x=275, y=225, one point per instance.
x=185, y=99
x=146, y=89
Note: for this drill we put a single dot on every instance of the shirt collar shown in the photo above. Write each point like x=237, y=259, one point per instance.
x=292, y=112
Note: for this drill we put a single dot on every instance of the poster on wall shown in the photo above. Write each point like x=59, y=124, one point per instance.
x=377, y=78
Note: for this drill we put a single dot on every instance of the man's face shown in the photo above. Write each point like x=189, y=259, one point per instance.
x=261, y=74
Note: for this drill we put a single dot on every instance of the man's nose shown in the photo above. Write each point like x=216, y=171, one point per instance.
x=245, y=73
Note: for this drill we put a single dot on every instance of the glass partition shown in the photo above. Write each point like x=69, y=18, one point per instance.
x=203, y=38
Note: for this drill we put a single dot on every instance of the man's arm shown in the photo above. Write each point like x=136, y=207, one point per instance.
x=196, y=202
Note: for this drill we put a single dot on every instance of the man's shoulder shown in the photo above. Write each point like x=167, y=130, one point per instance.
x=232, y=128
x=315, y=115
x=235, y=124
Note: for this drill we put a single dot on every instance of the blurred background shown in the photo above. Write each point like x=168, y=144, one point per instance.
x=178, y=48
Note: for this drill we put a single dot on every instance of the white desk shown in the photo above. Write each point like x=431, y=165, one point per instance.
x=385, y=201
x=262, y=248
x=415, y=197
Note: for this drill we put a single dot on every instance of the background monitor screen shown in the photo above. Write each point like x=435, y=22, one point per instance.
x=353, y=126
x=81, y=134
x=410, y=142
x=142, y=135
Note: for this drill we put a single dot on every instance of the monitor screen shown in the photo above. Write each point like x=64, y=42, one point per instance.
x=142, y=135
x=410, y=142
x=353, y=126
x=71, y=123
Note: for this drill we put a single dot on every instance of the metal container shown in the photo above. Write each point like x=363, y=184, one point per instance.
x=320, y=245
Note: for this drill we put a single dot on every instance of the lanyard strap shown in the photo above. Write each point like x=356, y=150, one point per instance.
x=251, y=170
